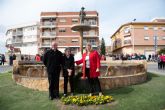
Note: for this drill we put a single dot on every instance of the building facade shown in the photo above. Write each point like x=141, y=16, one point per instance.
x=139, y=37
x=57, y=26
x=24, y=37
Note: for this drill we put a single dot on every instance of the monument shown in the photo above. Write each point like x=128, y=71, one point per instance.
x=81, y=27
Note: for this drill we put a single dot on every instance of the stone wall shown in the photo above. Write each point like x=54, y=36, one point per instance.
x=115, y=74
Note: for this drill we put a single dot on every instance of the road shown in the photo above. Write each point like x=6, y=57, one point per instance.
x=153, y=68
x=5, y=68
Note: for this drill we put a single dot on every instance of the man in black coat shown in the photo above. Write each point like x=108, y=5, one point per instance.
x=53, y=60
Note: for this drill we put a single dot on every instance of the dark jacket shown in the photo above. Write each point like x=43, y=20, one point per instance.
x=68, y=63
x=52, y=60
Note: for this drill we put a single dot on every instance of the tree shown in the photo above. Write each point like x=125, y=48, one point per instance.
x=161, y=51
x=102, y=47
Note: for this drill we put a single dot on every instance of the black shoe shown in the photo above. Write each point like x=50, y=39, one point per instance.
x=57, y=97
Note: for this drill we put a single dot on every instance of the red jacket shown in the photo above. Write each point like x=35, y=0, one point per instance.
x=38, y=59
x=94, y=64
x=163, y=58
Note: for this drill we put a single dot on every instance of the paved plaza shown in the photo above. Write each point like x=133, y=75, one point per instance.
x=5, y=68
x=153, y=68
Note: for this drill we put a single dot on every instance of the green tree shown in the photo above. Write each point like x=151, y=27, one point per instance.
x=161, y=51
x=103, y=46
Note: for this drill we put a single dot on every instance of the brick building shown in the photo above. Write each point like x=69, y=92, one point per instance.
x=139, y=37
x=57, y=26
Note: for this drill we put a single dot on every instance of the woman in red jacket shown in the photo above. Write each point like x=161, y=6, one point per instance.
x=90, y=68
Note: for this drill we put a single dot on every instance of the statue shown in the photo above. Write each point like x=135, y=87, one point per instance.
x=82, y=15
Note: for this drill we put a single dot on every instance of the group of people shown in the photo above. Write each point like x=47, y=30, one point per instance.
x=129, y=57
x=161, y=61
x=12, y=57
x=55, y=61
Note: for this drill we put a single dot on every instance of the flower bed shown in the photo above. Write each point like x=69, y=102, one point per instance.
x=87, y=100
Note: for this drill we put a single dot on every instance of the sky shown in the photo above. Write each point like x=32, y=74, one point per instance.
x=112, y=13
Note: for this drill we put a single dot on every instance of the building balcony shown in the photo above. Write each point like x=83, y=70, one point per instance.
x=48, y=24
x=45, y=45
x=92, y=23
x=92, y=43
x=19, y=33
x=90, y=35
x=17, y=41
x=48, y=34
x=127, y=34
x=127, y=42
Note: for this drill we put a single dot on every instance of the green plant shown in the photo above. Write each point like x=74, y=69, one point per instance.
x=86, y=100
x=103, y=47
x=161, y=51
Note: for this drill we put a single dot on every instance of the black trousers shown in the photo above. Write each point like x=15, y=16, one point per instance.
x=53, y=78
x=163, y=65
x=70, y=78
x=94, y=83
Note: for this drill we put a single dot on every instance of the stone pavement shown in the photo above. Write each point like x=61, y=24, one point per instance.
x=5, y=68
x=153, y=68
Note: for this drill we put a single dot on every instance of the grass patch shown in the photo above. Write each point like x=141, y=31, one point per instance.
x=147, y=96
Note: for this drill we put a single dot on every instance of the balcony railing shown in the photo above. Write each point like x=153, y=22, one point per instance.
x=19, y=33
x=17, y=40
x=48, y=24
x=48, y=34
x=92, y=43
x=90, y=23
x=45, y=44
x=127, y=42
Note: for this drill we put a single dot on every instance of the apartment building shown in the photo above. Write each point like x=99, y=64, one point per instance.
x=57, y=26
x=139, y=37
x=24, y=37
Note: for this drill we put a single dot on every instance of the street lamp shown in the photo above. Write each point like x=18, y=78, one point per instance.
x=155, y=40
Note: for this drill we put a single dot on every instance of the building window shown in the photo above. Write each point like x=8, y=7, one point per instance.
x=163, y=28
x=85, y=33
x=126, y=30
x=92, y=32
x=74, y=40
x=62, y=30
x=155, y=28
x=145, y=27
x=127, y=41
x=74, y=21
x=62, y=20
x=92, y=41
x=156, y=37
x=163, y=38
x=146, y=37
x=92, y=22
x=74, y=31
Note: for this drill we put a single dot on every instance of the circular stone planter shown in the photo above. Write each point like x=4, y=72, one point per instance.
x=116, y=74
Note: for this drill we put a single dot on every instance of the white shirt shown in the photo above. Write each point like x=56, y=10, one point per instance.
x=87, y=62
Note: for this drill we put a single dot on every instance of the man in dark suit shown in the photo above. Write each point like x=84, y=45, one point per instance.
x=53, y=60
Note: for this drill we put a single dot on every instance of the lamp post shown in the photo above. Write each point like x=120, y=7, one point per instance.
x=155, y=40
